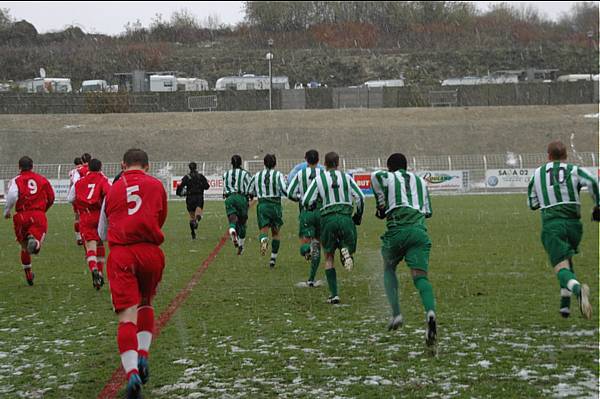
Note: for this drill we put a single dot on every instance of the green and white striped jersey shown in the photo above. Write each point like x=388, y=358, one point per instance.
x=400, y=189
x=269, y=183
x=559, y=183
x=236, y=181
x=300, y=182
x=334, y=188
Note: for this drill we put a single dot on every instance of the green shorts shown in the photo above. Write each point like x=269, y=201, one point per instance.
x=338, y=231
x=561, y=238
x=268, y=214
x=309, y=224
x=411, y=243
x=237, y=204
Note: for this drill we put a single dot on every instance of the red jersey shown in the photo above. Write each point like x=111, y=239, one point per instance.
x=136, y=208
x=78, y=173
x=33, y=191
x=89, y=191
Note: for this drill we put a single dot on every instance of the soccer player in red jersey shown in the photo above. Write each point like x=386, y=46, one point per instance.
x=133, y=214
x=87, y=196
x=75, y=172
x=31, y=195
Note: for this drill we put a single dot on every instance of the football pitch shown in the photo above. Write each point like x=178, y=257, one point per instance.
x=248, y=331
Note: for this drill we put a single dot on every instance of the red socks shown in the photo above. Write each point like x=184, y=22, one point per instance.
x=128, y=344
x=100, y=253
x=145, y=328
x=25, y=259
x=91, y=259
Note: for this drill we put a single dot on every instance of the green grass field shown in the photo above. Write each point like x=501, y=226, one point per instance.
x=247, y=331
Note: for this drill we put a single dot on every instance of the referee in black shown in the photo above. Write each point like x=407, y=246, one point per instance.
x=192, y=186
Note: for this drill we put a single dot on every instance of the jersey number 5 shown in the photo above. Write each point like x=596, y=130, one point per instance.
x=132, y=197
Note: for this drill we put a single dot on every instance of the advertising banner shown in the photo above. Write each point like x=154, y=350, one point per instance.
x=61, y=188
x=215, y=192
x=443, y=180
x=364, y=182
x=508, y=178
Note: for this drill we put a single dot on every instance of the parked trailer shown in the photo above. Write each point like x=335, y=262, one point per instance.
x=46, y=85
x=192, y=84
x=251, y=82
x=371, y=84
x=163, y=83
x=577, y=78
x=484, y=80
x=91, y=86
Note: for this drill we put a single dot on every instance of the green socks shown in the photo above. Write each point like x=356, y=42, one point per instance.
x=426, y=291
x=332, y=281
x=262, y=236
x=232, y=225
x=314, y=265
x=390, y=282
x=568, y=280
x=275, y=246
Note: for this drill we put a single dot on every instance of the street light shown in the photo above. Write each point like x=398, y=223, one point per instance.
x=590, y=36
x=270, y=58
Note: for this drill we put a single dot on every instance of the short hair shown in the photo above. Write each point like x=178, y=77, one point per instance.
x=95, y=165
x=78, y=161
x=25, y=163
x=557, y=151
x=86, y=158
x=236, y=161
x=396, y=162
x=312, y=157
x=193, y=166
x=135, y=156
x=270, y=161
x=332, y=160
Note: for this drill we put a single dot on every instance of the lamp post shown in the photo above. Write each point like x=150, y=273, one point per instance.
x=270, y=58
x=590, y=36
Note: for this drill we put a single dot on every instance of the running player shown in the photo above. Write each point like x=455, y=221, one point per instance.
x=309, y=221
x=192, y=186
x=133, y=214
x=403, y=200
x=87, y=196
x=269, y=186
x=83, y=169
x=236, y=191
x=78, y=164
x=32, y=195
x=554, y=188
x=337, y=192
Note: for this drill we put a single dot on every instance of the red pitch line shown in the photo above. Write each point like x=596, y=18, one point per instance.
x=112, y=387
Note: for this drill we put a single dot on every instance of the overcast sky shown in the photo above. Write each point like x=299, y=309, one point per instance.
x=110, y=16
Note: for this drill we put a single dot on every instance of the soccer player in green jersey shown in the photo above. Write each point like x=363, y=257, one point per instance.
x=269, y=186
x=403, y=200
x=554, y=188
x=337, y=192
x=236, y=191
x=309, y=221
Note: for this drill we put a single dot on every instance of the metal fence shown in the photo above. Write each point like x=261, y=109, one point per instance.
x=474, y=167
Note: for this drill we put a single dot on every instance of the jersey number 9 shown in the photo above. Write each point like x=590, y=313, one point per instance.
x=32, y=185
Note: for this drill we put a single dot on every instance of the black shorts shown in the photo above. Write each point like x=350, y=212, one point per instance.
x=194, y=201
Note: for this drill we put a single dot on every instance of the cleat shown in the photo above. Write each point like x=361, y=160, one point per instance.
x=234, y=237
x=334, y=300
x=395, y=323
x=347, y=260
x=144, y=370
x=584, y=302
x=29, y=276
x=80, y=242
x=264, y=245
x=33, y=245
x=565, y=313
x=134, y=387
x=308, y=256
x=272, y=263
x=310, y=284
x=240, y=250
x=97, y=279
x=431, y=330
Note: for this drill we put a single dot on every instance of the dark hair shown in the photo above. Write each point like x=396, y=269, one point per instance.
x=270, y=161
x=332, y=160
x=312, y=157
x=135, y=156
x=236, y=161
x=78, y=161
x=95, y=165
x=25, y=163
x=396, y=162
x=557, y=151
x=193, y=166
x=86, y=158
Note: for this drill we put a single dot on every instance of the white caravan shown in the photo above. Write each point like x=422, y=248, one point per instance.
x=46, y=85
x=91, y=86
x=163, y=83
x=192, y=84
x=252, y=82
x=371, y=84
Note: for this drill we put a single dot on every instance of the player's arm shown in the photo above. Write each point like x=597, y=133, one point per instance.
x=359, y=200
x=103, y=222
x=71, y=195
x=49, y=194
x=377, y=184
x=311, y=195
x=162, y=214
x=11, y=198
x=181, y=186
x=427, y=209
x=282, y=185
x=532, y=199
x=592, y=185
x=293, y=188
x=204, y=181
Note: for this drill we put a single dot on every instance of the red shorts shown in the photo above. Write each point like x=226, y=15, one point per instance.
x=30, y=222
x=88, y=225
x=134, y=272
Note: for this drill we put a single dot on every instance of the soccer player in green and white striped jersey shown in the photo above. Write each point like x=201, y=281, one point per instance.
x=337, y=192
x=403, y=200
x=269, y=186
x=236, y=190
x=554, y=188
x=309, y=221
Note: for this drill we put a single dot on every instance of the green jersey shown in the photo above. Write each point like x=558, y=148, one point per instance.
x=554, y=188
x=401, y=189
x=336, y=190
x=269, y=183
x=298, y=186
x=236, y=181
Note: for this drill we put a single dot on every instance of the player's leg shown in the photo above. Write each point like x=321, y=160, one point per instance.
x=20, y=226
x=329, y=240
x=101, y=254
x=199, y=211
x=276, y=243
x=347, y=237
x=392, y=254
x=26, y=263
x=263, y=221
x=76, y=227
x=232, y=218
x=241, y=229
x=191, y=208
